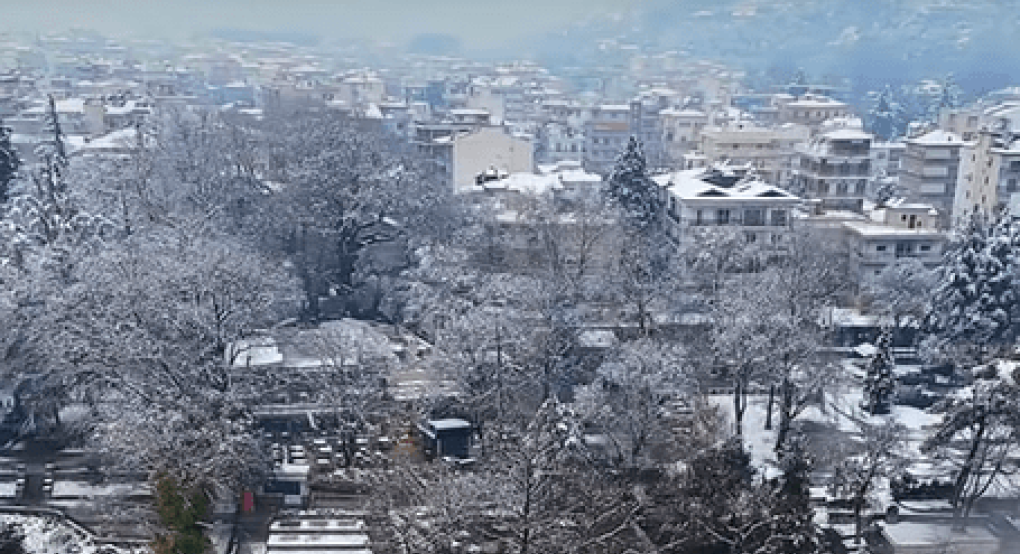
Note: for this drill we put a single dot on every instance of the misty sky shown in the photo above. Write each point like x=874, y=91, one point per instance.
x=477, y=23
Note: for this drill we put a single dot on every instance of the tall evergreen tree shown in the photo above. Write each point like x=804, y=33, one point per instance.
x=9, y=162
x=949, y=97
x=50, y=179
x=973, y=309
x=973, y=322
x=631, y=187
x=886, y=116
x=879, y=383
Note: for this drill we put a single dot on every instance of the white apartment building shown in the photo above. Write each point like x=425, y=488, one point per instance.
x=681, y=131
x=989, y=177
x=835, y=167
x=810, y=109
x=696, y=199
x=769, y=151
x=901, y=230
x=887, y=159
x=930, y=167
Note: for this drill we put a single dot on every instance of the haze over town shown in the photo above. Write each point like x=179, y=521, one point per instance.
x=450, y=277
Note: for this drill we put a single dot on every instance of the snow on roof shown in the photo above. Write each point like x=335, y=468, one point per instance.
x=871, y=229
x=597, y=338
x=373, y=112
x=330, y=541
x=690, y=184
x=848, y=134
x=527, y=183
x=937, y=137
x=915, y=535
x=448, y=424
x=686, y=112
x=614, y=108
x=469, y=111
x=119, y=139
x=816, y=102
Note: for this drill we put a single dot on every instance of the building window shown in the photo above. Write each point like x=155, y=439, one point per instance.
x=779, y=218
x=722, y=217
x=925, y=248
x=841, y=189
x=904, y=249
x=1011, y=185
x=859, y=189
x=754, y=217
x=698, y=220
x=751, y=237
x=880, y=248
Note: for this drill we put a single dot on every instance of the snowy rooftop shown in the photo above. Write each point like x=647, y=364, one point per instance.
x=686, y=112
x=449, y=424
x=812, y=101
x=691, y=184
x=909, y=535
x=871, y=229
x=848, y=134
x=937, y=137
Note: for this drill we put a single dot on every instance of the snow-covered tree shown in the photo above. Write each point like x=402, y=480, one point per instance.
x=949, y=97
x=631, y=187
x=902, y=290
x=876, y=452
x=646, y=279
x=886, y=116
x=973, y=309
x=140, y=336
x=879, y=382
x=792, y=529
x=977, y=433
x=972, y=321
x=343, y=191
x=631, y=398
x=9, y=163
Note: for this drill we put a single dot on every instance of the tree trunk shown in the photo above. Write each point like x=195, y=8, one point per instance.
x=768, y=408
x=738, y=408
x=961, y=505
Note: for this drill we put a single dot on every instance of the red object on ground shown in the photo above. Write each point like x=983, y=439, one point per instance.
x=248, y=502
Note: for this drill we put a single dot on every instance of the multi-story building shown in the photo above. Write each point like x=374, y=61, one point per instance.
x=768, y=150
x=930, y=166
x=968, y=122
x=887, y=159
x=558, y=143
x=810, y=110
x=989, y=176
x=464, y=156
x=681, y=131
x=606, y=135
x=835, y=167
x=697, y=199
x=901, y=230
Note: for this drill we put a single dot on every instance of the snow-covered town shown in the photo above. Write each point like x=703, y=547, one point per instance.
x=585, y=277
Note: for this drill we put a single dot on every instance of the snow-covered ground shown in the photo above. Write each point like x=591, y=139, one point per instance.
x=48, y=535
